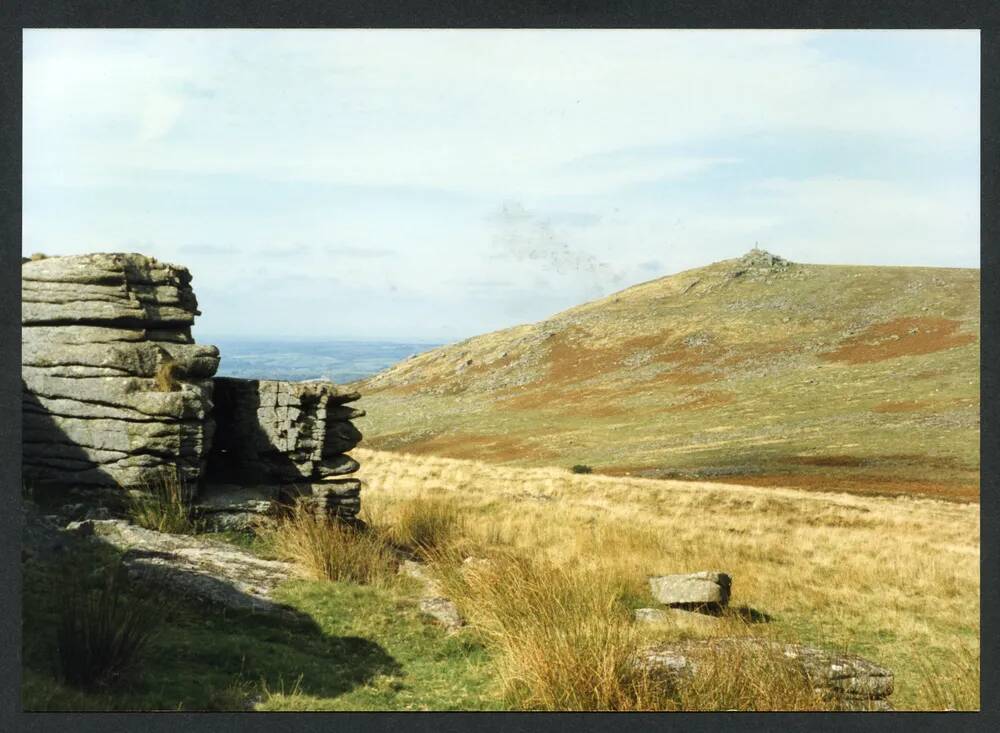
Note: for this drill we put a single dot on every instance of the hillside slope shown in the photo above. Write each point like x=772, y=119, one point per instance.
x=753, y=370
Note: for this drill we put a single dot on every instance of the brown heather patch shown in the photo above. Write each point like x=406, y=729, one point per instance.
x=839, y=460
x=964, y=492
x=900, y=337
x=479, y=447
x=570, y=361
x=680, y=376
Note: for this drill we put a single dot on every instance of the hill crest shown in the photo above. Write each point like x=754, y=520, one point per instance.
x=754, y=368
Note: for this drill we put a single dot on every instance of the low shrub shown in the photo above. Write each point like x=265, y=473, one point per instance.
x=329, y=549
x=102, y=631
x=581, y=468
x=162, y=502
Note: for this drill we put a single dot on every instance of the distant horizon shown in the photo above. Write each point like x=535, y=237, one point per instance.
x=443, y=184
x=263, y=338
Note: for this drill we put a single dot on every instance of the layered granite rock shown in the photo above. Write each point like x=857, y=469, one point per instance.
x=290, y=435
x=114, y=386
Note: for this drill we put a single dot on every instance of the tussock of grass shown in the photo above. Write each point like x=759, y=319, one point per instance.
x=328, y=549
x=747, y=678
x=426, y=524
x=162, y=502
x=562, y=640
x=166, y=378
x=102, y=632
x=952, y=684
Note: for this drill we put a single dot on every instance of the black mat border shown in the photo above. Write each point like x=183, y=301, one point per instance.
x=303, y=14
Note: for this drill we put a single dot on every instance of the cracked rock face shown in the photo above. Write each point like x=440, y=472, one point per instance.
x=291, y=434
x=113, y=384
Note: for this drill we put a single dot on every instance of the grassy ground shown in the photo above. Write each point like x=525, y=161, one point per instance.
x=894, y=579
x=864, y=379
x=356, y=648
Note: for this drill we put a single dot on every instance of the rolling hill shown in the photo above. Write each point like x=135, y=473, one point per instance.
x=753, y=370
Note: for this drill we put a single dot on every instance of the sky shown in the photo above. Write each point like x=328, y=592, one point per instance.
x=433, y=185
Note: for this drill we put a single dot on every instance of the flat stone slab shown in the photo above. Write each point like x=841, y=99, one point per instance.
x=673, y=615
x=237, y=498
x=849, y=681
x=196, y=566
x=692, y=589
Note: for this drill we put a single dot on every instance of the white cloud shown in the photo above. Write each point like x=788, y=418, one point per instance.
x=328, y=145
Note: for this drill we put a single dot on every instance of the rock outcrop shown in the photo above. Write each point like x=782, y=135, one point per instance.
x=116, y=390
x=289, y=435
x=845, y=681
x=198, y=567
x=114, y=386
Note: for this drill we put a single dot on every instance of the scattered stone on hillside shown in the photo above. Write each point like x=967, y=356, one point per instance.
x=650, y=615
x=848, y=681
x=205, y=569
x=442, y=610
x=432, y=600
x=113, y=386
x=291, y=434
x=666, y=615
x=703, y=589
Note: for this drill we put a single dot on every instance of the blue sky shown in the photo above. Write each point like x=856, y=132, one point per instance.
x=432, y=185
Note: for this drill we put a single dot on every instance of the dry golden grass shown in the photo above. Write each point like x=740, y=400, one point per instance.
x=424, y=524
x=166, y=376
x=162, y=502
x=562, y=639
x=894, y=579
x=326, y=549
x=748, y=678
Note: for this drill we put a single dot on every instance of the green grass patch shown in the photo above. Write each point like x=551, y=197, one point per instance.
x=350, y=648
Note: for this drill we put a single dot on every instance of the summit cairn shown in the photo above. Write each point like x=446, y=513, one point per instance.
x=758, y=263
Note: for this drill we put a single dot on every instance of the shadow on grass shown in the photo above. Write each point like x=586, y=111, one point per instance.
x=202, y=656
x=750, y=615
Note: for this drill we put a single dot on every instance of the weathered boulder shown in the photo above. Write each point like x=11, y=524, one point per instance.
x=113, y=385
x=706, y=588
x=847, y=681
